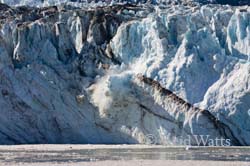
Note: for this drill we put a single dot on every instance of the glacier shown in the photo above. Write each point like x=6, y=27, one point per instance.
x=114, y=74
x=87, y=3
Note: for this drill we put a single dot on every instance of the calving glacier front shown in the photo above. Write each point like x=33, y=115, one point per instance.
x=116, y=74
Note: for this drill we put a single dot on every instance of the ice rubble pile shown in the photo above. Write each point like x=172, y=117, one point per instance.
x=116, y=74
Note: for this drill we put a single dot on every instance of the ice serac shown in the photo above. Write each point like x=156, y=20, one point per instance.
x=120, y=73
x=105, y=2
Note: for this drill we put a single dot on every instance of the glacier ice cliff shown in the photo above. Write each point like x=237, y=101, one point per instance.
x=115, y=74
x=106, y=2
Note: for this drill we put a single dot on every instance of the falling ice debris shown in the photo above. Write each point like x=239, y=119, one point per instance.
x=80, y=98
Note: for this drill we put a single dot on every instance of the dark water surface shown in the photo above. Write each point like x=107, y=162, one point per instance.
x=154, y=153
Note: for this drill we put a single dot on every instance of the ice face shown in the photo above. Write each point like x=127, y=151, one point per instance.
x=92, y=3
x=191, y=56
x=117, y=74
